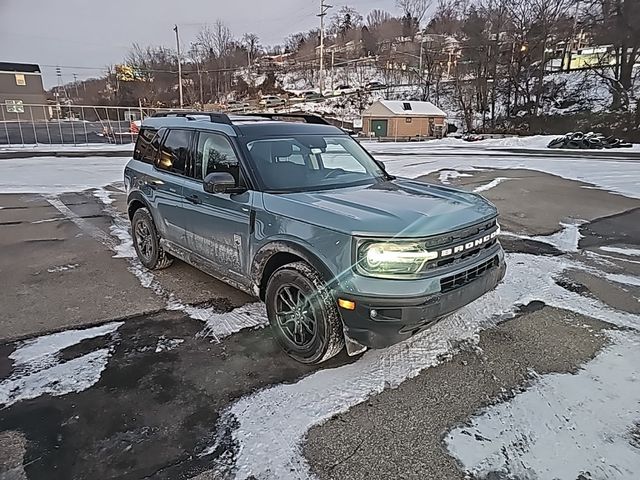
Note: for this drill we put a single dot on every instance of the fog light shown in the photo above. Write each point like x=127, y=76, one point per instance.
x=347, y=304
x=373, y=314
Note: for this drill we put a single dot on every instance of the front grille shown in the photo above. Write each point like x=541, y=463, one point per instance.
x=456, y=281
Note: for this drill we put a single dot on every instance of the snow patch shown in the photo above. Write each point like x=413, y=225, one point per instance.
x=631, y=252
x=55, y=175
x=447, y=175
x=520, y=438
x=125, y=248
x=624, y=279
x=63, y=268
x=48, y=220
x=168, y=344
x=38, y=369
x=566, y=240
x=614, y=174
x=220, y=325
x=492, y=184
x=104, y=196
x=273, y=422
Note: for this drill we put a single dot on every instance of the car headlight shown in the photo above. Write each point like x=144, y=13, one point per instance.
x=393, y=258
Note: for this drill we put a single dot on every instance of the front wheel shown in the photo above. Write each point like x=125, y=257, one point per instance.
x=303, y=315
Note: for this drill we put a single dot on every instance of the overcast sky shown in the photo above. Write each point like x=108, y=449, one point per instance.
x=83, y=36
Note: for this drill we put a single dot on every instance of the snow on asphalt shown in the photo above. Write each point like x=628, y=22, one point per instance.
x=562, y=426
x=55, y=175
x=38, y=369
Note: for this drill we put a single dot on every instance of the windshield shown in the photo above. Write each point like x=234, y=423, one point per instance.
x=312, y=162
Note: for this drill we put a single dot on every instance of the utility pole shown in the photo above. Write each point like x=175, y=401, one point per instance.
x=175, y=29
x=324, y=8
x=75, y=81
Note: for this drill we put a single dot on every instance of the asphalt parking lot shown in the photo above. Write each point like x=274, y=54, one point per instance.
x=110, y=371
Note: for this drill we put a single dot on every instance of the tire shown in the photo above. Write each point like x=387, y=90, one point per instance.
x=313, y=332
x=147, y=242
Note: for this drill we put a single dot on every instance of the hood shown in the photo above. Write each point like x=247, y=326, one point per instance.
x=402, y=208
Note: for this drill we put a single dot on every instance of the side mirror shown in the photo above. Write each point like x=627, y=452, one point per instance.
x=220, y=182
x=381, y=165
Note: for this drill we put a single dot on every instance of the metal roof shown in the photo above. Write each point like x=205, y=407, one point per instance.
x=19, y=67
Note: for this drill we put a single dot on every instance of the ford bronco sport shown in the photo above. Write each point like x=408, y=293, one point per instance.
x=299, y=214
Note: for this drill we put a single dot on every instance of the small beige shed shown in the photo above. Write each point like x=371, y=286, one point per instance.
x=403, y=120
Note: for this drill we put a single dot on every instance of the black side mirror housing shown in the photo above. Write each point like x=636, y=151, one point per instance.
x=381, y=165
x=221, y=182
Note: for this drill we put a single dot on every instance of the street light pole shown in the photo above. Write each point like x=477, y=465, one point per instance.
x=175, y=29
x=323, y=13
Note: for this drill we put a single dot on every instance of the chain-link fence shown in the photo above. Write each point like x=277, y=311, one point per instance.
x=24, y=124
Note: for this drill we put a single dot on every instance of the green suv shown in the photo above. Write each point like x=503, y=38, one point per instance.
x=296, y=212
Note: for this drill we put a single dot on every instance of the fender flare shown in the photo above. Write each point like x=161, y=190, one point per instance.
x=137, y=196
x=268, y=251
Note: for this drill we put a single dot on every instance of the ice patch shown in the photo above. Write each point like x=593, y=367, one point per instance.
x=63, y=268
x=168, y=344
x=562, y=426
x=630, y=252
x=492, y=184
x=273, y=422
x=38, y=369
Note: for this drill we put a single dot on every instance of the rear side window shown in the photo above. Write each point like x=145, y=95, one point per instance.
x=175, y=150
x=147, y=145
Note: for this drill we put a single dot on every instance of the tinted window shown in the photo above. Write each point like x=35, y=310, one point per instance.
x=147, y=145
x=215, y=154
x=174, y=153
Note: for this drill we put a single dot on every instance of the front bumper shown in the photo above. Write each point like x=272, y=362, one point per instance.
x=396, y=320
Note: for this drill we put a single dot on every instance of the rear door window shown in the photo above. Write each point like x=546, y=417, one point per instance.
x=147, y=145
x=175, y=152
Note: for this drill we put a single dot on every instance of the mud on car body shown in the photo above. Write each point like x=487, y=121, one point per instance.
x=300, y=215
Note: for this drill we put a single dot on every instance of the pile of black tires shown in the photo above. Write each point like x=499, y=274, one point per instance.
x=587, y=141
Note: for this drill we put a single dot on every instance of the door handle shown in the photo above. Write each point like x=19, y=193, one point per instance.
x=193, y=199
x=153, y=184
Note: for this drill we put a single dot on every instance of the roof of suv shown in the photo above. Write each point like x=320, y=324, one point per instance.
x=251, y=125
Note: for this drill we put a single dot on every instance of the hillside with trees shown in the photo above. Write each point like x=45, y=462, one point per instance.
x=493, y=65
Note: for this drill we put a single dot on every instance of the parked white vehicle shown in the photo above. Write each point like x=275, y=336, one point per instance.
x=268, y=101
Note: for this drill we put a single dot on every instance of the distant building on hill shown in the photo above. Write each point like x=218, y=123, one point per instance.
x=21, y=86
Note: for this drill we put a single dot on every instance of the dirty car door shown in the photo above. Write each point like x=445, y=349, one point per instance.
x=217, y=224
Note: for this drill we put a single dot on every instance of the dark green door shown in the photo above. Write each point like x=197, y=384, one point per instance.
x=379, y=127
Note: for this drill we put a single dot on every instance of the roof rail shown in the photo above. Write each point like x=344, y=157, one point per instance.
x=215, y=117
x=288, y=117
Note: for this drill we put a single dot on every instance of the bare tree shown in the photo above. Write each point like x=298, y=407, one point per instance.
x=416, y=9
x=377, y=18
x=617, y=22
x=345, y=20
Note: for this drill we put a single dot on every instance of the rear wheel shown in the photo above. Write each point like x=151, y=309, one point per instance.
x=147, y=242
x=303, y=315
